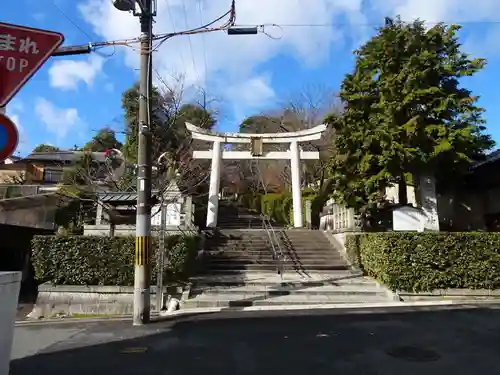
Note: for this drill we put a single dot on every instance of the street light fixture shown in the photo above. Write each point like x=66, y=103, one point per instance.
x=242, y=30
x=124, y=5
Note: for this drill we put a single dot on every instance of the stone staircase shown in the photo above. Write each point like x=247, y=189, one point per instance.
x=310, y=251
x=266, y=289
x=233, y=216
x=238, y=268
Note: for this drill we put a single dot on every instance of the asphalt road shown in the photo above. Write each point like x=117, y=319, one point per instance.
x=294, y=343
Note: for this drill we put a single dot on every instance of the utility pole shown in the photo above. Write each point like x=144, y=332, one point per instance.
x=142, y=269
x=142, y=298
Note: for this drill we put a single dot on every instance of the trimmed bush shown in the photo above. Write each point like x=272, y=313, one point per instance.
x=413, y=262
x=277, y=206
x=251, y=200
x=96, y=260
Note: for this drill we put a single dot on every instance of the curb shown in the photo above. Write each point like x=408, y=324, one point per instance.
x=351, y=307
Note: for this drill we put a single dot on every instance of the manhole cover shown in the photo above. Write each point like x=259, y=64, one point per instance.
x=413, y=354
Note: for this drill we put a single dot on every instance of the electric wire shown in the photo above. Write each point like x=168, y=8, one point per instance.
x=189, y=37
x=347, y=24
x=162, y=37
x=174, y=29
x=69, y=19
x=204, y=46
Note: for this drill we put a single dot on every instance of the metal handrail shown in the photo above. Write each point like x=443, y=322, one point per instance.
x=273, y=239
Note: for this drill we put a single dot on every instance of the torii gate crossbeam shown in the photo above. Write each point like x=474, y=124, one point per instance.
x=217, y=154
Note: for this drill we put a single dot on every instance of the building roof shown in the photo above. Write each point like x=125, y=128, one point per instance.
x=63, y=156
x=490, y=158
x=120, y=196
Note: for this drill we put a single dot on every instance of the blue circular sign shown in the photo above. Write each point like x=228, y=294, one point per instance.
x=3, y=138
x=9, y=137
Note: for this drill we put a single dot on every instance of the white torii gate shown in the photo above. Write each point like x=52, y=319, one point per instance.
x=217, y=154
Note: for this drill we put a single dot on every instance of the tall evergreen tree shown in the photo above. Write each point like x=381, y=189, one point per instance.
x=104, y=140
x=168, y=119
x=406, y=113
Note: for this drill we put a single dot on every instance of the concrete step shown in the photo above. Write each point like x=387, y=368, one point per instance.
x=225, y=300
x=220, y=258
x=251, y=251
x=222, y=267
x=265, y=242
x=283, y=290
x=239, y=278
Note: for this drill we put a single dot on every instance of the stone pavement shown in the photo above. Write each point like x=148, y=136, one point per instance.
x=444, y=341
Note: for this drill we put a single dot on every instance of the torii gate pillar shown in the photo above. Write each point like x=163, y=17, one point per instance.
x=213, y=191
x=217, y=154
x=296, y=193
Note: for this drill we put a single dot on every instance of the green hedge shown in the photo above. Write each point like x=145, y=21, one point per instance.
x=96, y=260
x=410, y=261
x=279, y=206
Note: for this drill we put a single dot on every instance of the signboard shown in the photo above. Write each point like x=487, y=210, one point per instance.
x=23, y=50
x=9, y=137
x=408, y=219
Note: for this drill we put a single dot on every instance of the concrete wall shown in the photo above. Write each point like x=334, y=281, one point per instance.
x=10, y=283
x=125, y=230
x=67, y=300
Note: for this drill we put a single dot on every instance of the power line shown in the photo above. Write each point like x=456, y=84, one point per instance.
x=331, y=24
x=204, y=46
x=173, y=28
x=70, y=20
x=189, y=37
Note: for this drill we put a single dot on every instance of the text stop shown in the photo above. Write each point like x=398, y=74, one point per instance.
x=14, y=64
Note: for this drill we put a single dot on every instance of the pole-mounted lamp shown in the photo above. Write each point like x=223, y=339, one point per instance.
x=242, y=30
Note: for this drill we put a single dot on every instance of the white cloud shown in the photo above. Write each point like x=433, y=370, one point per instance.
x=442, y=10
x=67, y=74
x=233, y=56
x=58, y=121
x=254, y=92
x=452, y=11
x=235, y=61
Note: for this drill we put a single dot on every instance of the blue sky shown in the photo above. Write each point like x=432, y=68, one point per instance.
x=70, y=98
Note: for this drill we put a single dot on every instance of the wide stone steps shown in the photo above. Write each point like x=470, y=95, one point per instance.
x=242, y=260
x=245, y=301
x=246, y=256
x=272, y=279
x=225, y=267
x=259, y=252
x=358, y=290
x=368, y=288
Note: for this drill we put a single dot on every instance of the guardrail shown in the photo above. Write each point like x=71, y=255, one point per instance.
x=278, y=255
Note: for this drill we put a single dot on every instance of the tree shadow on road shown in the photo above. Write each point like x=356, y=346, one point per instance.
x=462, y=341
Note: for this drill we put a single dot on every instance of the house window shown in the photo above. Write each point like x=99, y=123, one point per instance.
x=52, y=175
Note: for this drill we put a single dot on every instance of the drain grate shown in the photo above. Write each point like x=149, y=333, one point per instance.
x=413, y=354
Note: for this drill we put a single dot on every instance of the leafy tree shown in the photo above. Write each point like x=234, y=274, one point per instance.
x=168, y=118
x=405, y=113
x=45, y=148
x=104, y=140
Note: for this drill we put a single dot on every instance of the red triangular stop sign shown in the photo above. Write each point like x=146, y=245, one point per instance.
x=23, y=50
